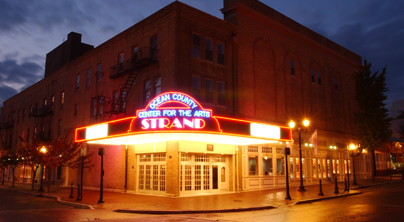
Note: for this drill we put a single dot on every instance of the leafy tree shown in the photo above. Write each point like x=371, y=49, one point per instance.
x=372, y=119
x=31, y=155
x=3, y=163
x=14, y=160
x=63, y=151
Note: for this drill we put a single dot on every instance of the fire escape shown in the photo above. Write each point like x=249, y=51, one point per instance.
x=145, y=57
x=6, y=137
x=43, y=116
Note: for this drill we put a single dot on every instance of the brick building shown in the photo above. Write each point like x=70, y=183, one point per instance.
x=255, y=65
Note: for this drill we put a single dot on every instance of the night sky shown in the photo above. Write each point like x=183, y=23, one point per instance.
x=374, y=29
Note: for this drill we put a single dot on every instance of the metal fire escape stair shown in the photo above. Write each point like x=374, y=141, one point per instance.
x=118, y=105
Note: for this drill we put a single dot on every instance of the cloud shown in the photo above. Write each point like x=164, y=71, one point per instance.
x=15, y=77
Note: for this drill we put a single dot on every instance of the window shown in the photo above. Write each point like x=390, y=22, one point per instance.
x=99, y=72
x=18, y=116
x=27, y=135
x=209, y=49
x=135, y=54
x=23, y=114
x=62, y=97
x=319, y=78
x=30, y=111
x=60, y=127
x=196, y=87
x=196, y=45
x=221, y=94
x=147, y=91
x=252, y=165
x=280, y=166
x=93, y=107
x=312, y=75
x=120, y=62
x=335, y=84
x=75, y=109
x=157, y=85
x=115, y=100
x=78, y=81
x=267, y=166
x=292, y=68
x=220, y=53
x=153, y=48
x=52, y=102
x=45, y=102
x=100, y=105
x=209, y=90
x=88, y=77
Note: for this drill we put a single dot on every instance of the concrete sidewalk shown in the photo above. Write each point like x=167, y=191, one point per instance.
x=242, y=201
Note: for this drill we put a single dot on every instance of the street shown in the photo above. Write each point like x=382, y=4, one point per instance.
x=378, y=203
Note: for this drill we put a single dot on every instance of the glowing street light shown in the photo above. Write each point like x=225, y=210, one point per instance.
x=292, y=125
x=42, y=150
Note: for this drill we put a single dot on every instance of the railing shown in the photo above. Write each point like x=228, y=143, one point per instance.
x=42, y=112
x=7, y=125
x=144, y=57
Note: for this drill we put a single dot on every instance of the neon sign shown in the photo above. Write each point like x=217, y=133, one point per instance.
x=174, y=111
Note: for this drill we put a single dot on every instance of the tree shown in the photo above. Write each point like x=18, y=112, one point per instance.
x=372, y=119
x=3, y=163
x=63, y=151
x=31, y=155
x=13, y=160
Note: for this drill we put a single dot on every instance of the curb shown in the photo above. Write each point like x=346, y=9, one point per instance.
x=328, y=198
x=371, y=185
x=56, y=198
x=193, y=211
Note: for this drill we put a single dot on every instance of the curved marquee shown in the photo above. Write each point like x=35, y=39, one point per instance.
x=176, y=112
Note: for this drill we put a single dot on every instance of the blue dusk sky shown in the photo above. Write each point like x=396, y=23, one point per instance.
x=374, y=29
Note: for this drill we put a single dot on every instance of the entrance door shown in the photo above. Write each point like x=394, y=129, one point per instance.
x=215, y=182
x=223, y=178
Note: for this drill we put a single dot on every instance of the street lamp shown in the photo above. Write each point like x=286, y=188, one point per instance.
x=352, y=147
x=42, y=150
x=83, y=153
x=292, y=125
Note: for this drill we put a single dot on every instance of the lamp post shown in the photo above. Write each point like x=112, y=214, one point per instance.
x=287, y=152
x=101, y=152
x=352, y=147
x=292, y=125
x=42, y=150
x=83, y=153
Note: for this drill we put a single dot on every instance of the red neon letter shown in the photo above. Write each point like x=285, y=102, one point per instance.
x=198, y=124
x=176, y=123
x=145, y=124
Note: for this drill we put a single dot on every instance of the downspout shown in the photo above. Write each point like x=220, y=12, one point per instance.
x=234, y=40
x=126, y=167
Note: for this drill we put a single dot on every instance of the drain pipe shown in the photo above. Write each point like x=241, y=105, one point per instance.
x=126, y=167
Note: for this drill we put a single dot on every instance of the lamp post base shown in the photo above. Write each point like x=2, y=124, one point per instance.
x=354, y=183
x=301, y=188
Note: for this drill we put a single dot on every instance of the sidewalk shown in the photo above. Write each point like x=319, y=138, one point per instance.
x=251, y=200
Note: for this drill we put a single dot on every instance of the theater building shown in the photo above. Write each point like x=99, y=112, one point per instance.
x=187, y=103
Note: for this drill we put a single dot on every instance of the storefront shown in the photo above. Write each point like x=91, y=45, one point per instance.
x=180, y=148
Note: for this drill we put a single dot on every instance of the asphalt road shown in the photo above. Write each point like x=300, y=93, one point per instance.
x=380, y=203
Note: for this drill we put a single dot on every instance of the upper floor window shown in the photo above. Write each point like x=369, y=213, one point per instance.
x=157, y=85
x=52, y=102
x=99, y=72
x=153, y=48
x=76, y=106
x=115, y=100
x=78, y=81
x=120, y=62
x=196, y=87
x=209, y=90
x=209, y=49
x=45, y=102
x=220, y=53
x=100, y=105
x=18, y=116
x=62, y=97
x=335, y=84
x=147, y=91
x=312, y=76
x=196, y=45
x=88, y=77
x=23, y=114
x=319, y=78
x=221, y=94
x=135, y=54
x=94, y=107
x=292, y=68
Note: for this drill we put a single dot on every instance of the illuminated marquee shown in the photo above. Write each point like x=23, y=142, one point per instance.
x=175, y=112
